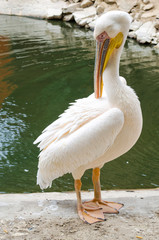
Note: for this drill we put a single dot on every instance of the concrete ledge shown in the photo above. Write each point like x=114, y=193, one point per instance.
x=136, y=203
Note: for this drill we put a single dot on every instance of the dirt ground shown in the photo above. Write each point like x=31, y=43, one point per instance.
x=115, y=227
x=45, y=217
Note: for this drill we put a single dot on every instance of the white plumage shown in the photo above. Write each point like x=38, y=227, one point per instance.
x=93, y=131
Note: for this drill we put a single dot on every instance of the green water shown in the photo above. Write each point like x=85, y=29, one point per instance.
x=44, y=66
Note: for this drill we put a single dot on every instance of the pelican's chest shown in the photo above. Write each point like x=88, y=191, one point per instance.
x=131, y=129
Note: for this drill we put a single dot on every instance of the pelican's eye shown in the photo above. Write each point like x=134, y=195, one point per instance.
x=101, y=37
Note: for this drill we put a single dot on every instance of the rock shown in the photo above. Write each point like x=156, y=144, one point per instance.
x=132, y=34
x=68, y=18
x=146, y=32
x=135, y=25
x=148, y=7
x=154, y=41
x=101, y=8
x=97, y=2
x=34, y=8
x=92, y=24
x=140, y=10
x=157, y=36
x=70, y=8
x=148, y=14
x=137, y=15
x=156, y=25
x=145, y=1
x=157, y=46
x=86, y=3
x=110, y=1
x=126, y=6
x=19, y=234
x=54, y=14
x=132, y=14
x=84, y=21
x=76, y=1
x=83, y=17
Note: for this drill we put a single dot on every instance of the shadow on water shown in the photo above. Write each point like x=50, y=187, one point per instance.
x=44, y=66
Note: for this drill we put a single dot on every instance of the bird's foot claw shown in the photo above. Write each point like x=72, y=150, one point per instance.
x=91, y=215
x=110, y=207
x=107, y=207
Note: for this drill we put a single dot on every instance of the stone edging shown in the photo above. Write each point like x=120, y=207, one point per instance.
x=145, y=14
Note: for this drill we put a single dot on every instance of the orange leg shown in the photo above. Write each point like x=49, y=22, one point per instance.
x=89, y=214
x=107, y=207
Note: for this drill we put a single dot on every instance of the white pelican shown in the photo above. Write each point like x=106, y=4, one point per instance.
x=96, y=129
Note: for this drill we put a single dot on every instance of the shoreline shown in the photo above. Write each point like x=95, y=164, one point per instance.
x=145, y=14
x=53, y=216
x=37, y=202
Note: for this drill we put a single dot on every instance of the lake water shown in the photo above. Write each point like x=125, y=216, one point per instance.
x=44, y=66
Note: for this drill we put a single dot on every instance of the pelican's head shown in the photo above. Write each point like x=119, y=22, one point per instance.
x=110, y=33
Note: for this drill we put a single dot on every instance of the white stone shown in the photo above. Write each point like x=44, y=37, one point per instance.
x=100, y=9
x=92, y=24
x=54, y=14
x=85, y=21
x=132, y=34
x=81, y=17
x=76, y=1
x=126, y=5
x=32, y=8
x=154, y=41
x=86, y=3
x=146, y=32
x=68, y=17
x=137, y=15
x=145, y=1
x=105, y=7
x=148, y=7
x=157, y=35
x=157, y=46
x=98, y=2
x=157, y=25
x=110, y=1
x=53, y=9
x=70, y=8
x=135, y=25
x=148, y=14
x=19, y=234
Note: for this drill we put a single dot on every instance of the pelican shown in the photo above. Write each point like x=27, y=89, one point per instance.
x=96, y=129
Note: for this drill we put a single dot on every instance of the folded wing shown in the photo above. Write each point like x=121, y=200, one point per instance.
x=81, y=135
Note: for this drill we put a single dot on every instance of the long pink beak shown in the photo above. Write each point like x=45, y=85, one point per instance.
x=101, y=51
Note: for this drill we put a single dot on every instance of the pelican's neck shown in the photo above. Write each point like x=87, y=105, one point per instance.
x=111, y=74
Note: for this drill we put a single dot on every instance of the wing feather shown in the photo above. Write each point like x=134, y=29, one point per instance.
x=78, y=114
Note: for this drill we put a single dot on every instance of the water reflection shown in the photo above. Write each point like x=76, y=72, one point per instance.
x=6, y=87
x=51, y=64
